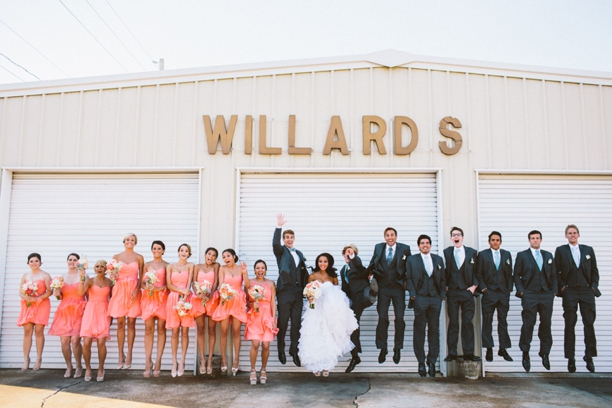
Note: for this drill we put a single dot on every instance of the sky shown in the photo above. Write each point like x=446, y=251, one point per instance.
x=59, y=39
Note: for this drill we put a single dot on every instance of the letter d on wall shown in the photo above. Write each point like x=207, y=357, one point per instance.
x=455, y=136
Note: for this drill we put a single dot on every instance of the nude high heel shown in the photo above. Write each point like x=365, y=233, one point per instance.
x=253, y=377
x=262, y=376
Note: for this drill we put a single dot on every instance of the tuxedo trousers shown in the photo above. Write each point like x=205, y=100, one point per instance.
x=385, y=297
x=585, y=297
x=289, y=308
x=457, y=298
x=358, y=306
x=427, y=317
x=535, y=303
x=494, y=299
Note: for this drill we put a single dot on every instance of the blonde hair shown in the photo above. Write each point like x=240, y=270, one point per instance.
x=185, y=245
x=350, y=246
x=100, y=262
x=131, y=234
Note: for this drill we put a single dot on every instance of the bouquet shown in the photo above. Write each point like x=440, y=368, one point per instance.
x=83, y=263
x=203, y=289
x=182, y=307
x=29, y=289
x=257, y=293
x=150, y=279
x=312, y=291
x=226, y=292
x=56, y=284
x=113, y=268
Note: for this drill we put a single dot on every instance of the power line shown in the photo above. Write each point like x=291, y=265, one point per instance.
x=93, y=36
x=130, y=31
x=116, y=36
x=16, y=64
x=41, y=54
x=11, y=73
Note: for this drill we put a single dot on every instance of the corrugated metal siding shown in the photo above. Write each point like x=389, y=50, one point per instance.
x=89, y=214
x=515, y=205
x=327, y=212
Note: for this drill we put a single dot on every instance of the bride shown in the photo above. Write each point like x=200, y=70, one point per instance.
x=326, y=330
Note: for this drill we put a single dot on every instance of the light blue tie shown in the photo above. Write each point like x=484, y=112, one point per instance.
x=538, y=258
x=496, y=259
x=346, y=274
x=458, y=258
x=576, y=255
x=428, y=265
x=390, y=255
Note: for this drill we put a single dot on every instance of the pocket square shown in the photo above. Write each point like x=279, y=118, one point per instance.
x=549, y=261
x=404, y=258
x=588, y=257
x=439, y=267
x=472, y=260
x=508, y=261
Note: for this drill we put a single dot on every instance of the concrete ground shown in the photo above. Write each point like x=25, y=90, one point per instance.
x=48, y=389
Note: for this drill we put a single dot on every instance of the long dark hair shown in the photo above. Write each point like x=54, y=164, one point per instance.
x=331, y=271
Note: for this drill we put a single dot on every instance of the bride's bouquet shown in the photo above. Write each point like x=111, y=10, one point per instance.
x=226, y=292
x=312, y=291
x=183, y=308
x=257, y=293
x=57, y=283
x=150, y=278
x=203, y=289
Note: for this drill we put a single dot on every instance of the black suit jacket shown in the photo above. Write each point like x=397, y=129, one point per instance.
x=467, y=269
x=526, y=269
x=415, y=268
x=358, y=280
x=588, y=266
x=286, y=264
x=486, y=272
x=402, y=252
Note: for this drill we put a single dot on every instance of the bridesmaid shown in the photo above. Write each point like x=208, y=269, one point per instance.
x=125, y=301
x=208, y=271
x=234, y=308
x=35, y=310
x=153, y=304
x=261, y=320
x=68, y=317
x=96, y=321
x=178, y=278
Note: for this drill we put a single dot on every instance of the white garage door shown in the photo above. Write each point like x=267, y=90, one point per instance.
x=328, y=211
x=89, y=214
x=517, y=204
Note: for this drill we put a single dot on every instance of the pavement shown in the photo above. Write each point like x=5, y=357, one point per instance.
x=128, y=389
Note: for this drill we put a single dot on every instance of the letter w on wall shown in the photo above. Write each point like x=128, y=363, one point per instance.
x=220, y=133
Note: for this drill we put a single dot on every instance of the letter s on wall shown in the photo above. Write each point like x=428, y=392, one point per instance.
x=455, y=136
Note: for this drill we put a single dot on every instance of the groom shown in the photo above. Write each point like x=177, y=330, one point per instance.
x=292, y=278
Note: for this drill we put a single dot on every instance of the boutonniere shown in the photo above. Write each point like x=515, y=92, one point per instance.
x=439, y=267
x=588, y=257
x=472, y=260
x=348, y=268
x=508, y=261
x=549, y=261
x=404, y=258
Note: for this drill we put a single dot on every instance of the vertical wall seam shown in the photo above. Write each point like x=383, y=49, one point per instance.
x=546, y=127
x=602, y=107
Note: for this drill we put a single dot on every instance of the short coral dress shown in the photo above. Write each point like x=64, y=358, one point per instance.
x=39, y=310
x=261, y=325
x=234, y=307
x=96, y=321
x=121, y=304
x=69, y=314
x=173, y=320
x=153, y=303
x=198, y=309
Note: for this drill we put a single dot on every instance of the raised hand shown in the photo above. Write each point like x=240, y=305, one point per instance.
x=280, y=219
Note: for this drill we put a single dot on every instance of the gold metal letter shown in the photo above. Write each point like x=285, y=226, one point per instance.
x=450, y=134
x=263, y=149
x=219, y=133
x=377, y=137
x=397, y=146
x=335, y=128
x=292, y=148
x=248, y=134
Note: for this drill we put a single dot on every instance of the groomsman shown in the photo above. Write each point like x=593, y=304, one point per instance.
x=356, y=285
x=461, y=284
x=292, y=278
x=427, y=287
x=494, y=274
x=389, y=265
x=578, y=278
x=536, y=284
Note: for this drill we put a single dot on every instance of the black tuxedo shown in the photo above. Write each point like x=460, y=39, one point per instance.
x=458, y=280
x=357, y=277
x=428, y=293
x=536, y=289
x=496, y=286
x=390, y=278
x=291, y=282
x=578, y=285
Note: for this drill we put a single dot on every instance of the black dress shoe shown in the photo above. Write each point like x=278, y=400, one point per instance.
x=422, y=370
x=397, y=355
x=432, y=370
x=545, y=361
x=571, y=365
x=590, y=364
x=504, y=353
x=296, y=360
x=526, y=361
x=354, y=361
x=282, y=357
x=475, y=358
x=489, y=355
x=450, y=358
x=382, y=356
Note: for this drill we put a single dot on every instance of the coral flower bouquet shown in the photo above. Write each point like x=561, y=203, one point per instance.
x=203, y=289
x=226, y=292
x=312, y=291
x=57, y=283
x=113, y=268
x=256, y=292
x=183, y=307
x=150, y=279
x=29, y=288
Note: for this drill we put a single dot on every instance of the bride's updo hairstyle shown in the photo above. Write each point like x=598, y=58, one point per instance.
x=331, y=271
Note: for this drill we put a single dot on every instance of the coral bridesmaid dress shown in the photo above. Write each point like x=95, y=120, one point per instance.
x=69, y=314
x=198, y=309
x=153, y=304
x=38, y=311
x=173, y=320
x=121, y=303
x=261, y=325
x=96, y=321
x=236, y=306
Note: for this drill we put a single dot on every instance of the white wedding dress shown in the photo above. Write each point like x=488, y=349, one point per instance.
x=326, y=330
